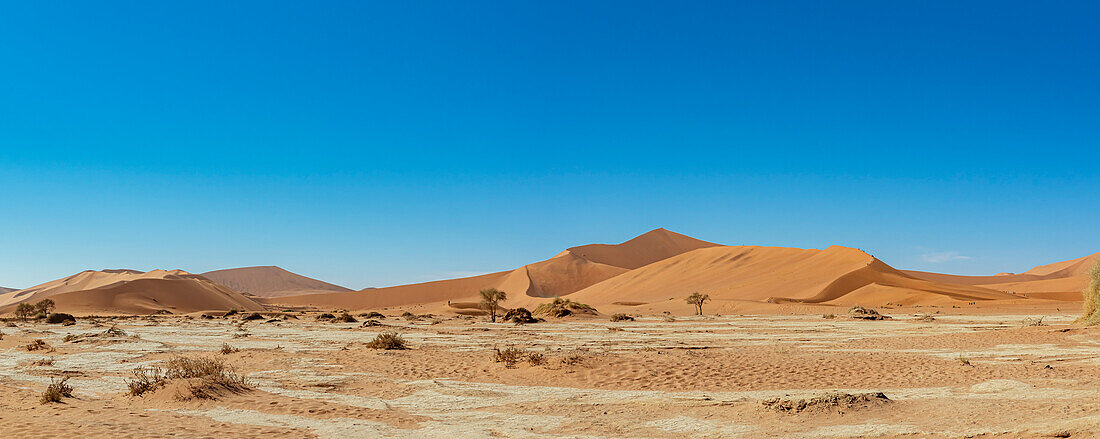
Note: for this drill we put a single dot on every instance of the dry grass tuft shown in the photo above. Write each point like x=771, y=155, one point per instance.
x=620, y=317
x=1090, y=314
x=1032, y=321
x=227, y=349
x=204, y=378
x=36, y=345
x=56, y=390
x=44, y=362
x=388, y=341
x=859, y=312
x=345, y=318
x=563, y=307
x=834, y=401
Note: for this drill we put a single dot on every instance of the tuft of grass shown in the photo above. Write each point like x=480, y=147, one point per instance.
x=204, y=377
x=56, y=390
x=114, y=332
x=253, y=316
x=511, y=356
x=388, y=341
x=963, y=360
x=372, y=315
x=227, y=349
x=326, y=316
x=44, y=362
x=1032, y=321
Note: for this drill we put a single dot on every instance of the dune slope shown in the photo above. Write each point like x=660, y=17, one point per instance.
x=132, y=291
x=1060, y=280
x=837, y=275
x=568, y=272
x=269, y=281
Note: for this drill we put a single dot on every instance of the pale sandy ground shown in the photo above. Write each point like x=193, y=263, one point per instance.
x=692, y=377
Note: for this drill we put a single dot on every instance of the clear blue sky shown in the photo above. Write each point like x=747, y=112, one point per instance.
x=378, y=143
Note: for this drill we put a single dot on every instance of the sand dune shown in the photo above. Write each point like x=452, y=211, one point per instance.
x=1059, y=281
x=568, y=272
x=270, y=281
x=7, y=290
x=132, y=291
x=837, y=275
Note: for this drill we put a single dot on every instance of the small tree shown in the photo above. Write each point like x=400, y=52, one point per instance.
x=698, y=300
x=490, y=297
x=24, y=310
x=44, y=306
x=1090, y=315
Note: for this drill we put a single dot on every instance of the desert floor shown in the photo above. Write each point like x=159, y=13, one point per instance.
x=954, y=376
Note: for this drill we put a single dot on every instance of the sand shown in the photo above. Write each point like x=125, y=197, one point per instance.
x=694, y=376
x=270, y=282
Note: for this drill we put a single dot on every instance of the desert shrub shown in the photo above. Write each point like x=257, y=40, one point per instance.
x=828, y=316
x=620, y=317
x=114, y=331
x=370, y=323
x=56, y=390
x=372, y=315
x=1033, y=321
x=59, y=317
x=573, y=360
x=231, y=312
x=48, y=361
x=410, y=316
x=227, y=349
x=562, y=307
x=253, y=316
x=520, y=316
x=1090, y=314
x=388, y=341
x=509, y=356
x=204, y=376
x=536, y=359
x=859, y=312
x=68, y=338
x=326, y=316
x=36, y=345
x=963, y=360
x=345, y=317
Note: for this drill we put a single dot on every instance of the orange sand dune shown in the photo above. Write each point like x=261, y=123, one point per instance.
x=131, y=291
x=270, y=282
x=1061, y=280
x=7, y=290
x=837, y=275
x=569, y=271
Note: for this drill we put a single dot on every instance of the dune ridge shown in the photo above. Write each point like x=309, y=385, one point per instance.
x=132, y=292
x=567, y=272
x=270, y=281
x=1060, y=280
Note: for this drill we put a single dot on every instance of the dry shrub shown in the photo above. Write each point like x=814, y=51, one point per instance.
x=37, y=345
x=1090, y=314
x=574, y=360
x=859, y=312
x=388, y=341
x=345, y=318
x=614, y=329
x=828, y=316
x=325, y=316
x=520, y=316
x=44, y=362
x=620, y=317
x=926, y=318
x=204, y=378
x=227, y=349
x=963, y=360
x=536, y=359
x=833, y=401
x=253, y=316
x=372, y=315
x=60, y=317
x=370, y=323
x=1032, y=321
x=511, y=356
x=563, y=307
x=56, y=390
x=410, y=316
x=113, y=331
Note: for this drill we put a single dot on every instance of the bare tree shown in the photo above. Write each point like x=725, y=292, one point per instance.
x=490, y=297
x=698, y=300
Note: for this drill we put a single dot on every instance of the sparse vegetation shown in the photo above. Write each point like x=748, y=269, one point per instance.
x=204, y=378
x=1033, y=321
x=520, y=316
x=253, y=316
x=698, y=300
x=114, y=331
x=828, y=316
x=370, y=323
x=227, y=349
x=511, y=356
x=44, y=307
x=60, y=317
x=372, y=315
x=837, y=401
x=861, y=313
x=37, y=345
x=490, y=301
x=963, y=360
x=325, y=316
x=44, y=362
x=562, y=307
x=24, y=311
x=388, y=341
x=620, y=317
x=56, y=390
x=1090, y=315
x=345, y=318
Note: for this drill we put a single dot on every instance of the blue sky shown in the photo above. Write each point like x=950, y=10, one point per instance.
x=379, y=143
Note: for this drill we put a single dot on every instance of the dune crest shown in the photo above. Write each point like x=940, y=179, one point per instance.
x=565, y=273
x=133, y=292
x=1060, y=280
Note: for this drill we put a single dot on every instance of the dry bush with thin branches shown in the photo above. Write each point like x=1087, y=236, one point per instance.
x=204, y=377
x=388, y=341
x=56, y=390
